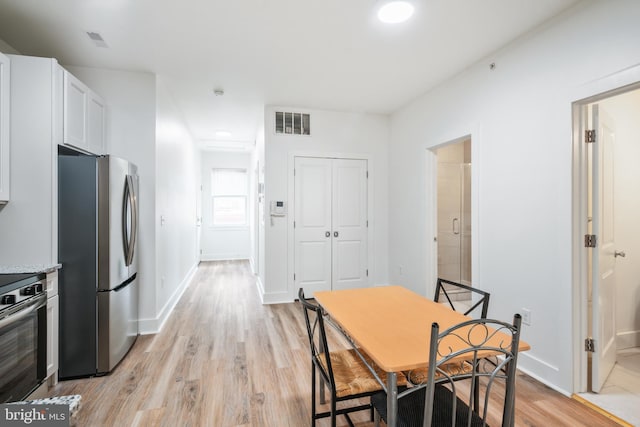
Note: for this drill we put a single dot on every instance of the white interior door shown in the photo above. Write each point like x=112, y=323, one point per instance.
x=349, y=214
x=330, y=224
x=313, y=228
x=603, y=264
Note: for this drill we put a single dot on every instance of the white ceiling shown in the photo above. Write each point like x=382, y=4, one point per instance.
x=321, y=54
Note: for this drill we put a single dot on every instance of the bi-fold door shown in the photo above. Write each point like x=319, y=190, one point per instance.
x=330, y=224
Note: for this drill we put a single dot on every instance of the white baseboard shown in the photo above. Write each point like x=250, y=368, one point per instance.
x=154, y=325
x=275, y=298
x=540, y=370
x=628, y=339
x=222, y=257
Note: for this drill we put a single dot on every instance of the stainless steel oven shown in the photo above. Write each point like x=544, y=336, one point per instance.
x=23, y=335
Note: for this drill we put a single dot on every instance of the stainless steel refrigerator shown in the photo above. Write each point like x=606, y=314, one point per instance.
x=98, y=250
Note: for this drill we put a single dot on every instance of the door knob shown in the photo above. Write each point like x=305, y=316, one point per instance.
x=335, y=234
x=619, y=253
x=327, y=234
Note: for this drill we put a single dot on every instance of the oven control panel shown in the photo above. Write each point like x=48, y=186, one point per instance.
x=11, y=296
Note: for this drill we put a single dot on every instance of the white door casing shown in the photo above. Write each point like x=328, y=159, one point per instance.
x=330, y=223
x=603, y=263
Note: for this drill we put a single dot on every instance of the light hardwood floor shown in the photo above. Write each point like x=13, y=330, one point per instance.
x=223, y=359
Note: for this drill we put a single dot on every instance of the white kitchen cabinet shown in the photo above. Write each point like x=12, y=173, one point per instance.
x=5, y=71
x=96, y=117
x=76, y=101
x=29, y=225
x=53, y=312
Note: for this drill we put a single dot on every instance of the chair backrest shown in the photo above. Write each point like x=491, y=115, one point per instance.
x=443, y=287
x=472, y=341
x=317, y=336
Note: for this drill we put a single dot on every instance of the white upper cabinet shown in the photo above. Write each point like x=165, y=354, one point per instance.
x=4, y=128
x=96, y=112
x=84, y=117
x=76, y=96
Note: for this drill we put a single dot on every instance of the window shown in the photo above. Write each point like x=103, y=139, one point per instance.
x=229, y=196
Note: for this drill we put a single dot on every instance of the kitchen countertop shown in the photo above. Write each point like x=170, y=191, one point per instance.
x=29, y=268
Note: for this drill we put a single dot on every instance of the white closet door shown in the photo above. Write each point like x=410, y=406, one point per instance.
x=330, y=224
x=312, y=224
x=349, y=224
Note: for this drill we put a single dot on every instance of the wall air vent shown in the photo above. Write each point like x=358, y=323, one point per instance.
x=293, y=123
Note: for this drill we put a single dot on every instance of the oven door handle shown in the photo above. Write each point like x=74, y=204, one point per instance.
x=16, y=317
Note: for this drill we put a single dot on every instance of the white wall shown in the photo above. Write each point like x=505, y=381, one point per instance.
x=624, y=110
x=519, y=116
x=332, y=133
x=220, y=243
x=177, y=183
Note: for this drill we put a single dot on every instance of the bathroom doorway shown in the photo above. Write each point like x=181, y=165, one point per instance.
x=610, y=286
x=454, y=213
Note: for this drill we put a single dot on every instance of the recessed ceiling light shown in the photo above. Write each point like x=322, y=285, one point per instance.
x=223, y=134
x=395, y=11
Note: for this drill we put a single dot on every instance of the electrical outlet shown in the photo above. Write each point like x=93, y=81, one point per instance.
x=526, y=316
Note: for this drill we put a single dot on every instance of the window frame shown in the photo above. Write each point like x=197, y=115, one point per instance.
x=222, y=194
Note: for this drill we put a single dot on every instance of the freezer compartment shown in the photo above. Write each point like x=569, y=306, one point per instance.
x=117, y=324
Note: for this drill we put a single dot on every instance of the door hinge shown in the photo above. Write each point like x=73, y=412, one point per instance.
x=294, y=224
x=590, y=135
x=294, y=277
x=367, y=272
x=367, y=174
x=367, y=223
x=590, y=345
x=590, y=240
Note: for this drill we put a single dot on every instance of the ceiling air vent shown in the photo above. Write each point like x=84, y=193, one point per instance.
x=293, y=123
x=97, y=39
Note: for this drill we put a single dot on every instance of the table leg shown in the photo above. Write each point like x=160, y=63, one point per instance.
x=392, y=399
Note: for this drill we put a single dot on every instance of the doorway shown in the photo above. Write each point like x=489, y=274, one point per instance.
x=454, y=214
x=610, y=268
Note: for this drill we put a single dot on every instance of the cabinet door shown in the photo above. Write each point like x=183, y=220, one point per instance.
x=52, y=336
x=4, y=128
x=76, y=96
x=96, y=112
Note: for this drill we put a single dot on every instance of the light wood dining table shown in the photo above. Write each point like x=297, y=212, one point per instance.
x=393, y=326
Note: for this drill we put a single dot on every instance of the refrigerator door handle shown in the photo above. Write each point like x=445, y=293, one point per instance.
x=134, y=217
x=129, y=206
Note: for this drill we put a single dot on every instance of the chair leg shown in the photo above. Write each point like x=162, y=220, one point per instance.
x=313, y=395
x=333, y=411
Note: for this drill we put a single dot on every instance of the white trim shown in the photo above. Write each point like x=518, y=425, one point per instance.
x=154, y=325
x=627, y=339
x=291, y=290
x=222, y=257
x=545, y=382
x=604, y=87
x=276, y=298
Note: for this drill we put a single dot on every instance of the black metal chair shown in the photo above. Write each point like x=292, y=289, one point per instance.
x=444, y=287
x=447, y=397
x=344, y=372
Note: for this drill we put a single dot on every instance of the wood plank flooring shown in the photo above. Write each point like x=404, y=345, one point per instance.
x=225, y=360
